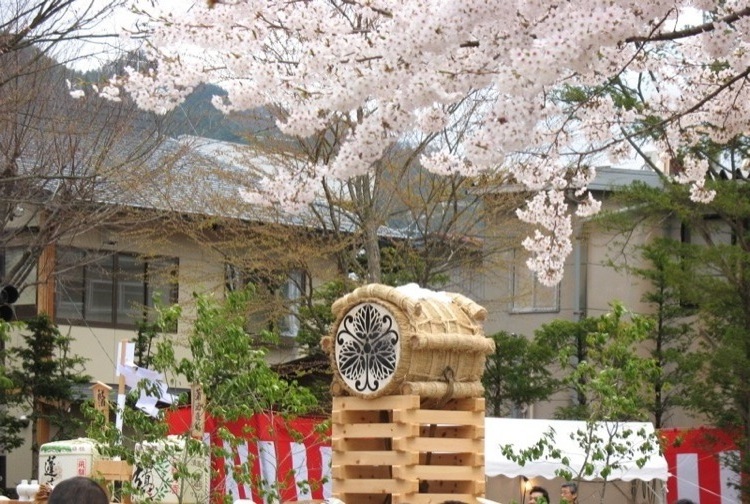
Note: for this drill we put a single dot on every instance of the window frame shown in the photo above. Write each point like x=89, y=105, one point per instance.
x=288, y=324
x=517, y=267
x=121, y=317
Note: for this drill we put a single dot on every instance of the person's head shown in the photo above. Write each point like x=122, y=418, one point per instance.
x=536, y=492
x=569, y=492
x=42, y=495
x=683, y=501
x=78, y=490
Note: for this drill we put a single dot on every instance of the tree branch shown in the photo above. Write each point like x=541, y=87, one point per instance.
x=689, y=32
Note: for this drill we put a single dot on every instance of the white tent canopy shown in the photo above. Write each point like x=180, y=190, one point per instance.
x=524, y=433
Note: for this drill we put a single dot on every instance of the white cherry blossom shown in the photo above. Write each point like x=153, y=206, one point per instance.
x=394, y=67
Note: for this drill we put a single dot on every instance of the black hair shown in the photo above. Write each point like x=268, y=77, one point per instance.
x=572, y=486
x=684, y=501
x=78, y=490
x=541, y=490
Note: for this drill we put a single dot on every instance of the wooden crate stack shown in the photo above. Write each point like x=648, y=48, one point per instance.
x=393, y=446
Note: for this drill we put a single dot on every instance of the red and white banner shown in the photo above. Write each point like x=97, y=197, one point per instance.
x=697, y=460
x=288, y=459
x=279, y=460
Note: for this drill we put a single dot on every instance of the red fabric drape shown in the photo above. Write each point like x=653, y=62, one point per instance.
x=292, y=453
x=694, y=457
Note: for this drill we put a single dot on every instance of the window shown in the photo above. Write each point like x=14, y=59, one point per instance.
x=470, y=279
x=278, y=294
x=292, y=291
x=111, y=289
x=711, y=230
x=528, y=295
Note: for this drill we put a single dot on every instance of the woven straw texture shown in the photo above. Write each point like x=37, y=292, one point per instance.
x=441, y=346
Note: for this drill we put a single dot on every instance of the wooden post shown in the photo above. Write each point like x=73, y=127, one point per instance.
x=42, y=427
x=114, y=473
x=100, y=392
x=198, y=411
x=121, y=386
x=46, y=287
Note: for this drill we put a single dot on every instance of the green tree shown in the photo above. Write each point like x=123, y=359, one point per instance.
x=46, y=380
x=10, y=424
x=517, y=374
x=233, y=372
x=717, y=236
x=714, y=233
x=568, y=341
x=150, y=330
x=236, y=381
x=669, y=268
x=599, y=361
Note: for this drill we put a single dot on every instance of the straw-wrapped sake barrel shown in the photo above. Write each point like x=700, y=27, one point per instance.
x=407, y=340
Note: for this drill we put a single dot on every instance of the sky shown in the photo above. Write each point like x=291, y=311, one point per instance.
x=91, y=54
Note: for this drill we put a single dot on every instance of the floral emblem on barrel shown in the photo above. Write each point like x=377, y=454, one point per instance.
x=367, y=349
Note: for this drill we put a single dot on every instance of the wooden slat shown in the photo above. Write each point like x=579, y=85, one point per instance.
x=379, y=457
x=435, y=472
x=370, y=486
x=381, y=403
x=433, y=498
x=369, y=444
x=356, y=416
x=452, y=431
x=361, y=498
x=455, y=459
x=113, y=470
x=388, y=445
x=467, y=404
x=457, y=445
x=374, y=430
x=448, y=417
x=455, y=487
x=364, y=472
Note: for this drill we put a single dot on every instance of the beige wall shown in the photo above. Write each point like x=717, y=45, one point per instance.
x=200, y=270
x=590, y=277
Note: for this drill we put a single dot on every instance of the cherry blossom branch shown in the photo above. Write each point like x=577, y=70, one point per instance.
x=377, y=10
x=629, y=136
x=405, y=61
x=693, y=31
